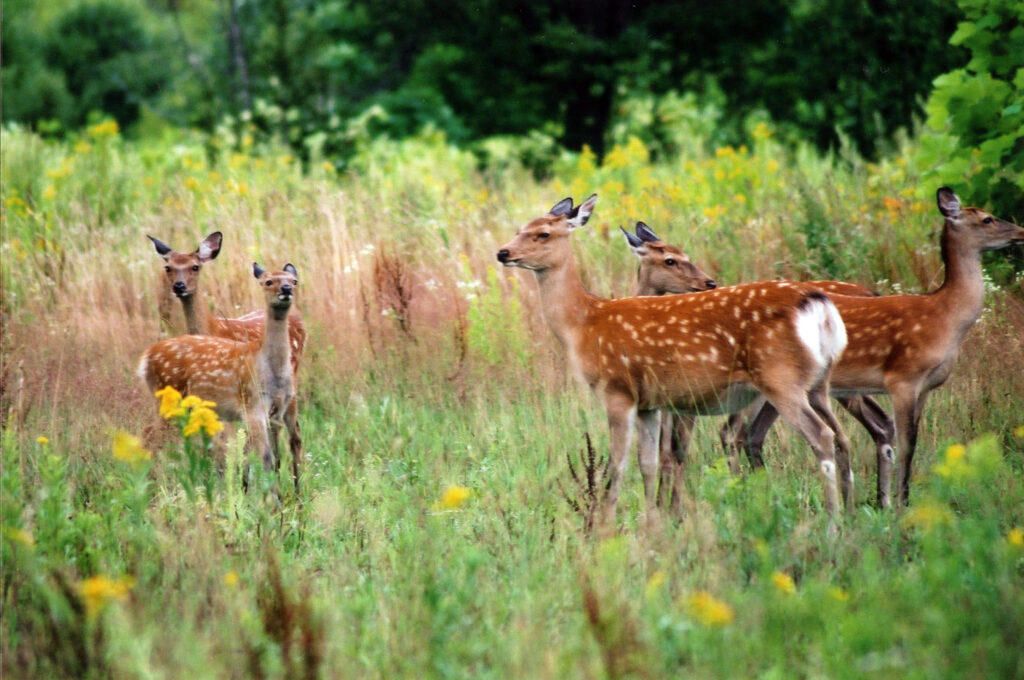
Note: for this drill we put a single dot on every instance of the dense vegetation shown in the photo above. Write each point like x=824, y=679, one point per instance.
x=430, y=377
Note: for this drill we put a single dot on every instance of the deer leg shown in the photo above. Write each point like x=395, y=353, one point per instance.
x=666, y=459
x=797, y=411
x=682, y=432
x=648, y=429
x=818, y=398
x=291, y=419
x=621, y=414
x=882, y=429
x=758, y=425
x=907, y=407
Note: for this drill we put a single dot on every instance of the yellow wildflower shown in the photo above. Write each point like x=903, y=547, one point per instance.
x=231, y=579
x=955, y=465
x=202, y=418
x=128, y=448
x=454, y=496
x=191, y=183
x=170, y=402
x=98, y=591
x=837, y=593
x=783, y=582
x=927, y=515
x=19, y=536
x=192, y=401
x=49, y=193
x=709, y=610
x=654, y=584
x=1015, y=537
x=42, y=440
x=107, y=128
x=761, y=131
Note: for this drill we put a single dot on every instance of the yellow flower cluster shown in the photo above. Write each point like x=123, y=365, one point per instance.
x=783, y=582
x=454, y=497
x=98, y=591
x=196, y=415
x=107, y=128
x=709, y=610
x=927, y=516
x=954, y=465
x=128, y=449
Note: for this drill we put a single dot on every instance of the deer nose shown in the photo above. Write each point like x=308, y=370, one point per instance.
x=710, y=283
x=503, y=255
x=179, y=287
x=286, y=289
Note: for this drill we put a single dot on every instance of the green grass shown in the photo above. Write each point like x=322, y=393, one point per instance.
x=366, y=573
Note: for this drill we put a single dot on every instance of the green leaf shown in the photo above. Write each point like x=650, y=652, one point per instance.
x=964, y=30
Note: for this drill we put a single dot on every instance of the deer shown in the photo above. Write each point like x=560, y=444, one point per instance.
x=701, y=353
x=250, y=381
x=181, y=275
x=666, y=269
x=907, y=345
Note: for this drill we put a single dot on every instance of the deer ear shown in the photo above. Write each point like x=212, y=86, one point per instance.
x=949, y=203
x=290, y=268
x=563, y=207
x=646, y=233
x=258, y=271
x=209, y=248
x=581, y=213
x=162, y=249
x=635, y=244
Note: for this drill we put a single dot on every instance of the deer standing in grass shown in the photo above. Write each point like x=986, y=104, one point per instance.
x=708, y=352
x=665, y=269
x=252, y=381
x=907, y=345
x=182, y=279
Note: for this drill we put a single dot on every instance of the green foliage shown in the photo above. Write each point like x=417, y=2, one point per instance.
x=975, y=137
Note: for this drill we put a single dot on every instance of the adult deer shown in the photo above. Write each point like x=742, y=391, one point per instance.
x=907, y=345
x=706, y=352
x=665, y=269
x=182, y=278
x=660, y=273
x=250, y=381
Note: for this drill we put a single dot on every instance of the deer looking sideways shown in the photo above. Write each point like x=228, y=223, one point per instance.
x=707, y=352
x=907, y=345
x=182, y=278
x=665, y=269
x=250, y=381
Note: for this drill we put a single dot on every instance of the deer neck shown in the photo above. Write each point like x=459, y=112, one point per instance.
x=197, y=316
x=564, y=301
x=963, y=291
x=275, y=346
x=644, y=286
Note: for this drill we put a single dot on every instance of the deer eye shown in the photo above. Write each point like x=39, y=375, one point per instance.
x=669, y=262
x=270, y=283
x=987, y=220
x=167, y=269
x=543, y=235
x=195, y=267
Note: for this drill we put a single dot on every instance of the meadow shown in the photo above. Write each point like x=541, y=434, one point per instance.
x=433, y=536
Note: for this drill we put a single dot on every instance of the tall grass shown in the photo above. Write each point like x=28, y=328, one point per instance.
x=428, y=367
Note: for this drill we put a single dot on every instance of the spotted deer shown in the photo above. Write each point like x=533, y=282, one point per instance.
x=709, y=352
x=665, y=269
x=743, y=431
x=250, y=381
x=181, y=274
x=907, y=345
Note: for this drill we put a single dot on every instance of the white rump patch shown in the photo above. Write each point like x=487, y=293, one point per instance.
x=821, y=329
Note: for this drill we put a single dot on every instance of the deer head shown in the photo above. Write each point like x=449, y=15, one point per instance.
x=543, y=243
x=664, y=268
x=278, y=287
x=182, y=269
x=974, y=227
